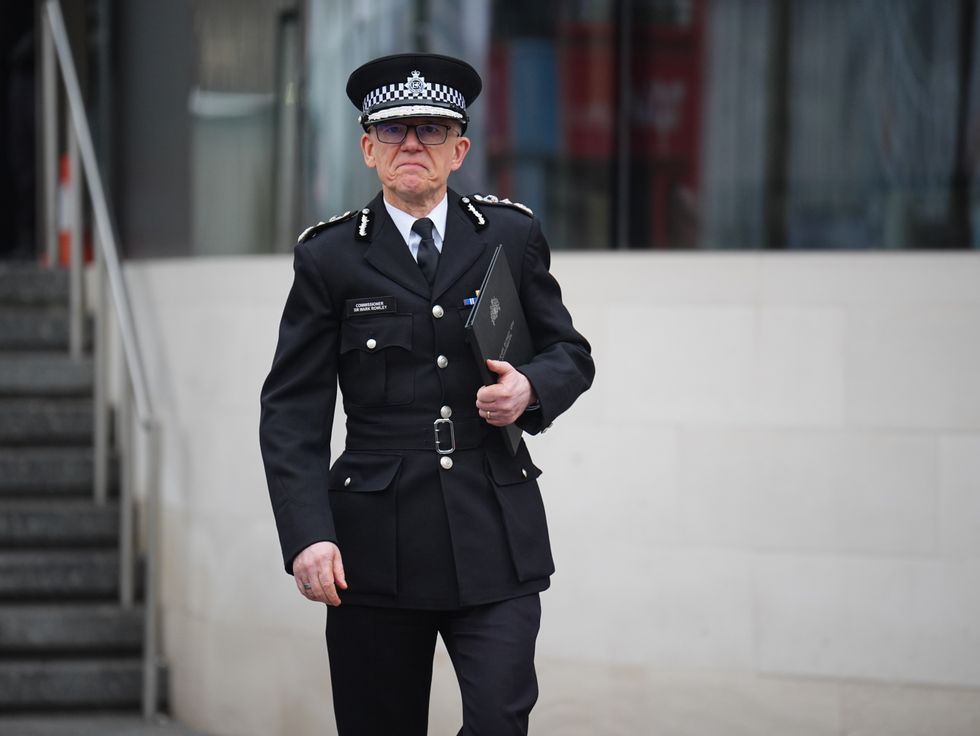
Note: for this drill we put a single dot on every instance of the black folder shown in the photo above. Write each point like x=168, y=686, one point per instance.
x=497, y=329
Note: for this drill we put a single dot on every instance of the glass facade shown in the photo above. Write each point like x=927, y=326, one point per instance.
x=625, y=124
x=712, y=124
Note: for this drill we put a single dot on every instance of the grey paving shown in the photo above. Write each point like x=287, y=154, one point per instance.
x=90, y=725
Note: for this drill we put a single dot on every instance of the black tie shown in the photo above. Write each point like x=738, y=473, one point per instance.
x=428, y=255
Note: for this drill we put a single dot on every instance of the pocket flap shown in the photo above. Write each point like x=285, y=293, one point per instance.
x=507, y=469
x=375, y=333
x=363, y=471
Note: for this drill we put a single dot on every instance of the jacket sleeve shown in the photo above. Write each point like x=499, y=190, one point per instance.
x=298, y=399
x=562, y=367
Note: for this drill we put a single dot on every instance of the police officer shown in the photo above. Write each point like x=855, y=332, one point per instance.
x=426, y=524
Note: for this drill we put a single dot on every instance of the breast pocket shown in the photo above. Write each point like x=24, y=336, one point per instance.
x=376, y=360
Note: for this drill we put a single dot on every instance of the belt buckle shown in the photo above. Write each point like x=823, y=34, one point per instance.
x=436, y=426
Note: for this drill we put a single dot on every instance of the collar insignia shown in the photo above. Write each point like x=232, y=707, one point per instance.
x=365, y=224
x=476, y=217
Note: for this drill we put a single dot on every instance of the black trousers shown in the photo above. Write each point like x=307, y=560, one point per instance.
x=381, y=666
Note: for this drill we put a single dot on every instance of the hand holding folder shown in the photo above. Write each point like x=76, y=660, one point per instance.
x=497, y=329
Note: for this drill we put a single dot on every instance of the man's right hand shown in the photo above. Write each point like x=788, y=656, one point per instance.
x=319, y=571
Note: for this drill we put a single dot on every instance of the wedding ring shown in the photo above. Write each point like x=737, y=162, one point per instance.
x=307, y=586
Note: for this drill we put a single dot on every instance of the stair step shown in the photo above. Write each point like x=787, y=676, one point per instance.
x=34, y=471
x=27, y=283
x=44, y=374
x=76, y=573
x=71, y=683
x=90, y=724
x=59, y=523
x=69, y=628
x=37, y=328
x=46, y=421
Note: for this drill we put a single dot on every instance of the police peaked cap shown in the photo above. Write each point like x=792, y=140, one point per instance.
x=413, y=85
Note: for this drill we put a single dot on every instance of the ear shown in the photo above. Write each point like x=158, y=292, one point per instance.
x=367, y=149
x=460, y=148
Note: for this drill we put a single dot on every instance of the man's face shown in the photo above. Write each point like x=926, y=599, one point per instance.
x=410, y=171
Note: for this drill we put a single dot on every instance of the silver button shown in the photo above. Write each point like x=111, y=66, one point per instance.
x=371, y=343
x=446, y=462
x=442, y=361
x=347, y=482
x=445, y=412
x=438, y=311
x=524, y=472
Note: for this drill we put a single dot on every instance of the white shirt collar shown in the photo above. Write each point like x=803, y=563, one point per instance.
x=404, y=221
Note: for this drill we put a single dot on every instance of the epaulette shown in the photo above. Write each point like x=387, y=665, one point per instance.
x=313, y=230
x=491, y=199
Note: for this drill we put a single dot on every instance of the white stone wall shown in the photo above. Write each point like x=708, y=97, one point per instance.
x=765, y=514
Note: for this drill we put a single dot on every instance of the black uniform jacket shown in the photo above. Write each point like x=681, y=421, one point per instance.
x=412, y=532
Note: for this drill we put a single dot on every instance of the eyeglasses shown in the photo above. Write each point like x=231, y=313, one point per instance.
x=429, y=134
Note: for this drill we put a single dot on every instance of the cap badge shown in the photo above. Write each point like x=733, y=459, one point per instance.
x=415, y=84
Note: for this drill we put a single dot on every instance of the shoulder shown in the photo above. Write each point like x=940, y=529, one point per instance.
x=359, y=225
x=484, y=210
x=495, y=201
x=314, y=230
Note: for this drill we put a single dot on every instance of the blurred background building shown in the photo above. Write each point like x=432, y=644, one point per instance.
x=641, y=124
x=794, y=433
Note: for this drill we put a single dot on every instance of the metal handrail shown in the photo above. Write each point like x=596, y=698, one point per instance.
x=56, y=47
x=103, y=223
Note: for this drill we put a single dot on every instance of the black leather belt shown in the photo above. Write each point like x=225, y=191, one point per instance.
x=443, y=435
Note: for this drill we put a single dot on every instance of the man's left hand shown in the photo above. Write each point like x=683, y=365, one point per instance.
x=503, y=402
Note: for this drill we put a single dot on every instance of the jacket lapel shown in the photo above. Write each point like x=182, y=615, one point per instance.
x=389, y=254
x=461, y=248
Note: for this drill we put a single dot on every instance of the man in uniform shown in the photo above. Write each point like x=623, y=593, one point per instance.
x=426, y=524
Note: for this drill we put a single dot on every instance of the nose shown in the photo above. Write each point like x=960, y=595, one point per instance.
x=411, y=141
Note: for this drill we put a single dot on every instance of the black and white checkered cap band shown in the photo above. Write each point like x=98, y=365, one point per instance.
x=402, y=93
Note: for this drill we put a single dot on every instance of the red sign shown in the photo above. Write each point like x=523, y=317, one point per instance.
x=588, y=90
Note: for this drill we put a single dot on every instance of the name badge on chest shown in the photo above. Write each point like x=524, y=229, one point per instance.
x=370, y=305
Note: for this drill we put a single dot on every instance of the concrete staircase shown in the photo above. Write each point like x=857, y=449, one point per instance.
x=65, y=643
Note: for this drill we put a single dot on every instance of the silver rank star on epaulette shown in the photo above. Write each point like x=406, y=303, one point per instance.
x=491, y=199
x=312, y=230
